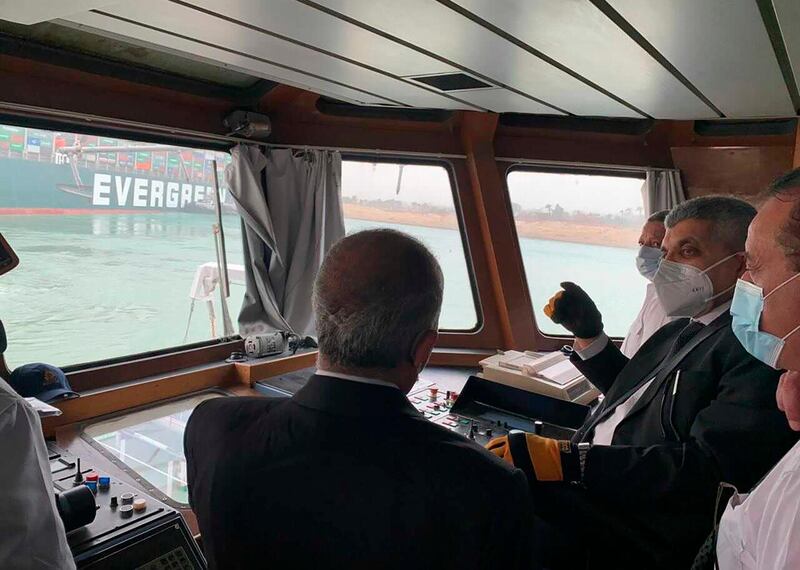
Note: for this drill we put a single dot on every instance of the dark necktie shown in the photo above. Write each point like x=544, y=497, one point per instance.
x=685, y=336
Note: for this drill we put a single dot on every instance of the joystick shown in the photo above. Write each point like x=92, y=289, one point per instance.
x=78, y=475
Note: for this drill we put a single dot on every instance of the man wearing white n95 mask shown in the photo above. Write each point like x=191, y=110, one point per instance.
x=691, y=409
x=762, y=530
x=651, y=316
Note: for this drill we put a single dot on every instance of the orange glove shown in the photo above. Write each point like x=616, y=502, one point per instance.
x=541, y=458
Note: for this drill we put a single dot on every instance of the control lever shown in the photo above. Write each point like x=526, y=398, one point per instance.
x=78, y=475
x=538, y=426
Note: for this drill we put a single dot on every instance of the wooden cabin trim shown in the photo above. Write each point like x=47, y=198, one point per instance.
x=105, y=401
x=501, y=247
x=110, y=399
x=459, y=357
x=796, y=149
x=50, y=86
x=488, y=335
x=250, y=372
x=106, y=375
x=237, y=378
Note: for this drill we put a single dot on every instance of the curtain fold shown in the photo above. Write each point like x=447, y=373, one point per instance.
x=291, y=211
x=663, y=190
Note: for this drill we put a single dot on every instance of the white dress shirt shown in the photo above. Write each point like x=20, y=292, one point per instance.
x=604, y=431
x=762, y=529
x=651, y=317
x=31, y=532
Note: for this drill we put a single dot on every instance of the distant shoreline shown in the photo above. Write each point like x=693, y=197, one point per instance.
x=611, y=236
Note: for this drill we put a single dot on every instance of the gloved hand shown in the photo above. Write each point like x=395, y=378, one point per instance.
x=541, y=458
x=573, y=309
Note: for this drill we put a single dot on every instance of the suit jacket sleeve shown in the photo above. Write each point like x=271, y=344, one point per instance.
x=602, y=369
x=201, y=439
x=518, y=536
x=737, y=438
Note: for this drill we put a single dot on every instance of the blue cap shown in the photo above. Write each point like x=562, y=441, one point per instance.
x=42, y=381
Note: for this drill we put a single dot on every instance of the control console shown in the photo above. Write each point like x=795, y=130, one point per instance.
x=485, y=410
x=128, y=528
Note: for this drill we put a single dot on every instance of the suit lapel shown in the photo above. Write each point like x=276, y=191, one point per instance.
x=642, y=367
x=636, y=372
x=664, y=373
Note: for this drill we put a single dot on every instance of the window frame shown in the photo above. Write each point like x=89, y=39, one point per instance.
x=545, y=341
x=458, y=208
x=128, y=367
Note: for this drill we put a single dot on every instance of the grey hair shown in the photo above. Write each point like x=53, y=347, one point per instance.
x=659, y=216
x=376, y=293
x=730, y=216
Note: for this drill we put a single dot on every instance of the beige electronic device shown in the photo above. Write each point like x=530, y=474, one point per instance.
x=550, y=374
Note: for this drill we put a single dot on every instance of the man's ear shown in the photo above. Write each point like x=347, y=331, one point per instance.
x=741, y=259
x=421, y=351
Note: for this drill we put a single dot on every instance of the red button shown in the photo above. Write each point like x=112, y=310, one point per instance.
x=93, y=476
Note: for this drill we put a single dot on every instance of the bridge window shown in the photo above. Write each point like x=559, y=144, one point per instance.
x=110, y=234
x=149, y=444
x=417, y=199
x=583, y=228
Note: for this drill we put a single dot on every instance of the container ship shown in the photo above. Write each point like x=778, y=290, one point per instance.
x=44, y=172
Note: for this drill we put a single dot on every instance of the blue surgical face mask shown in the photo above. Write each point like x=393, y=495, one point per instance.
x=746, y=309
x=648, y=260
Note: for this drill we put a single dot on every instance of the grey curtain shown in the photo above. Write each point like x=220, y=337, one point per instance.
x=663, y=190
x=291, y=210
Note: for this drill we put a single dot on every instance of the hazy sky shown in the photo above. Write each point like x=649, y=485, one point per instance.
x=532, y=190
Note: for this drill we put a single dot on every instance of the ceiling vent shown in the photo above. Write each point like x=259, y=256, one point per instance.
x=452, y=82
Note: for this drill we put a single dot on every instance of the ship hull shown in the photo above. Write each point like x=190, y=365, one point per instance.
x=42, y=188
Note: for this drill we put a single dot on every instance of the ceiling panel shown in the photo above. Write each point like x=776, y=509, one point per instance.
x=137, y=34
x=597, y=49
x=721, y=46
x=438, y=29
x=35, y=11
x=194, y=24
x=308, y=25
x=303, y=23
x=502, y=101
x=788, y=12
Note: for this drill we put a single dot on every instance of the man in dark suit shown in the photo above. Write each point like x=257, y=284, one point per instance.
x=691, y=409
x=347, y=474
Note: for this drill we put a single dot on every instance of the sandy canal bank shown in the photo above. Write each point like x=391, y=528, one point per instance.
x=598, y=234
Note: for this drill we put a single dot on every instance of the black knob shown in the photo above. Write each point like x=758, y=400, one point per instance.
x=538, y=427
x=488, y=432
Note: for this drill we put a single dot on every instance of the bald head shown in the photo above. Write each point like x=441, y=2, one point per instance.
x=376, y=294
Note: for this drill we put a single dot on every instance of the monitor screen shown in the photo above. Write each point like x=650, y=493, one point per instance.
x=149, y=443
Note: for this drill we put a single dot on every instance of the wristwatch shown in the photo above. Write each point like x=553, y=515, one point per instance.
x=583, y=451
